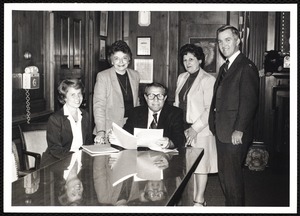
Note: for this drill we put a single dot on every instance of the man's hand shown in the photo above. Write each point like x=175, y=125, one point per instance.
x=164, y=142
x=236, y=137
x=161, y=162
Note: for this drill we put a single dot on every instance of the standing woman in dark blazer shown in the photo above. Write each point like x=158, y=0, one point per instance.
x=69, y=127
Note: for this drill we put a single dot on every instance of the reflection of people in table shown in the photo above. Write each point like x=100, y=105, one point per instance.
x=103, y=172
x=68, y=184
x=156, y=176
x=154, y=191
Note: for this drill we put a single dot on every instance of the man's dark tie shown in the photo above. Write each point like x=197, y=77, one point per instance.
x=153, y=124
x=225, y=69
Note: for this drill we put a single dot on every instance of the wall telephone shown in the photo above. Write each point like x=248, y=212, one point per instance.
x=30, y=79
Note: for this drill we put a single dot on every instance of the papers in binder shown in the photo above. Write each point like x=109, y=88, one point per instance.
x=95, y=150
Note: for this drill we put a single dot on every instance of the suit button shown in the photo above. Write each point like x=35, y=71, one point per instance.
x=215, y=109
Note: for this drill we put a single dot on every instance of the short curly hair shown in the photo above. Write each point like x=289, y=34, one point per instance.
x=64, y=87
x=119, y=46
x=197, y=51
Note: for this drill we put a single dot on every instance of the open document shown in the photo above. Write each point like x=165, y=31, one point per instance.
x=122, y=138
x=142, y=138
x=146, y=137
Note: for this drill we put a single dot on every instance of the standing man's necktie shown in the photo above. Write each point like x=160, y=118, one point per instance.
x=225, y=69
x=153, y=124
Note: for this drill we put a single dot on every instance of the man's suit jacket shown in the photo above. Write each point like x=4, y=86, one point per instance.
x=235, y=100
x=60, y=136
x=108, y=103
x=170, y=119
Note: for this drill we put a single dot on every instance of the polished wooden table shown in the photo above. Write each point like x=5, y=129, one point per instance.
x=129, y=177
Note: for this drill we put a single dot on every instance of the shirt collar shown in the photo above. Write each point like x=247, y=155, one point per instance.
x=67, y=112
x=151, y=113
x=233, y=57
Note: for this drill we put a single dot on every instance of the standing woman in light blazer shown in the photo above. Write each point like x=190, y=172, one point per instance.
x=116, y=91
x=193, y=94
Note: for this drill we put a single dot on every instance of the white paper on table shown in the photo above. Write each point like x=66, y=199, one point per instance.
x=123, y=138
x=147, y=137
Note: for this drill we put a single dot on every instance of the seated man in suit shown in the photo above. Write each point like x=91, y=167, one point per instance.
x=158, y=115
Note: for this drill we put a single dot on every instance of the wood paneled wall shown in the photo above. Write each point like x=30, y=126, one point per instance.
x=28, y=34
x=169, y=31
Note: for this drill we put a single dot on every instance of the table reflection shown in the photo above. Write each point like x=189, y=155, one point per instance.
x=125, y=178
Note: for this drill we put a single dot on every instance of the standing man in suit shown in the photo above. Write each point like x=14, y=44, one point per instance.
x=232, y=113
x=160, y=115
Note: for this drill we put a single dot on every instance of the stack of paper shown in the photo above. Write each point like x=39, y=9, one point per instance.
x=99, y=149
x=141, y=138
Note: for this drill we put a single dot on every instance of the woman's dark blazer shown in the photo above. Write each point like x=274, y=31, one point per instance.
x=59, y=136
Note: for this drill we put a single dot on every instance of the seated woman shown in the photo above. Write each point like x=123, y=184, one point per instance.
x=69, y=128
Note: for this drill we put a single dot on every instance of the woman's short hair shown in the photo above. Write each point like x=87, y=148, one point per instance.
x=64, y=87
x=119, y=46
x=197, y=51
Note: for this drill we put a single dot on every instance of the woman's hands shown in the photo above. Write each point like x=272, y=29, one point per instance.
x=100, y=138
x=190, y=135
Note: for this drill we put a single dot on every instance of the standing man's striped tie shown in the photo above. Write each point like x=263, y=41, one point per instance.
x=225, y=69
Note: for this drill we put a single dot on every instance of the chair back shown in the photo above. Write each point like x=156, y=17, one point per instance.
x=15, y=164
x=33, y=137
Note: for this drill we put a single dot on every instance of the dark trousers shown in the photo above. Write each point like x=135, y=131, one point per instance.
x=230, y=162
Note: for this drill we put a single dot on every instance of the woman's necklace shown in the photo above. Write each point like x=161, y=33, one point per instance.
x=125, y=89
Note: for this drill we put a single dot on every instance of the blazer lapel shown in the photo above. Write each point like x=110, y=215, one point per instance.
x=115, y=84
x=183, y=80
x=67, y=126
x=197, y=81
x=133, y=86
x=162, y=117
x=234, y=65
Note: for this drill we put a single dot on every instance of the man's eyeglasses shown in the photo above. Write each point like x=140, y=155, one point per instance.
x=158, y=194
x=158, y=96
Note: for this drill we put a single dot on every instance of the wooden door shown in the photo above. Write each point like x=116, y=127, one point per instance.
x=69, y=39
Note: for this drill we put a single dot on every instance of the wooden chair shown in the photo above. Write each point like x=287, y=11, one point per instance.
x=18, y=169
x=33, y=137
